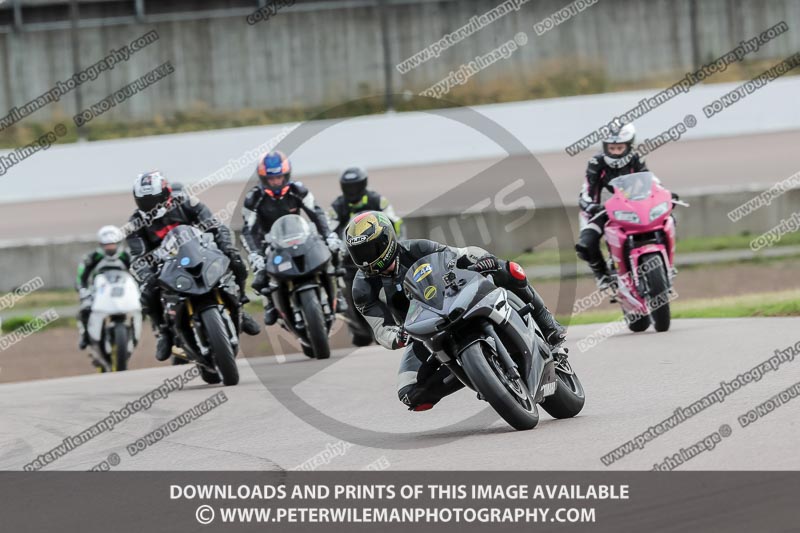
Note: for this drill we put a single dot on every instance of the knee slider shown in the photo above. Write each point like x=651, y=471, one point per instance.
x=404, y=394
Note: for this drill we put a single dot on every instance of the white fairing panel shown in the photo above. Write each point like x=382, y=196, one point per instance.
x=115, y=293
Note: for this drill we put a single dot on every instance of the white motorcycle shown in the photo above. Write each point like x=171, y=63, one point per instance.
x=115, y=322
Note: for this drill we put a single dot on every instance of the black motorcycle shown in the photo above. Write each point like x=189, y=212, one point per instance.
x=200, y=299
x=302, y=288
x=488, y=339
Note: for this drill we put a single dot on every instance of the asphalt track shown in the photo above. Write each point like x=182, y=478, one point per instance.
x=719, y=163
x=632, y=382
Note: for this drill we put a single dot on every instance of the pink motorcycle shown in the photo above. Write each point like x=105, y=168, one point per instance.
x=640, y=235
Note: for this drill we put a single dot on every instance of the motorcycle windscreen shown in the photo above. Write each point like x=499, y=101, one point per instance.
x=289, y=231
x=424, y=280
x=635, y=186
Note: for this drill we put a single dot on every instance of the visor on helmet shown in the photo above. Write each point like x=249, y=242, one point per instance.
x=373, y=256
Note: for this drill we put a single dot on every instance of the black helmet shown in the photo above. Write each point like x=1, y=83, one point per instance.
x=371, y=242
x=152, y=193
x=354, y=184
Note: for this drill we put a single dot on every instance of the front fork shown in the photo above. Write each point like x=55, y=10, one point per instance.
x=321, y=285
x=197, y=325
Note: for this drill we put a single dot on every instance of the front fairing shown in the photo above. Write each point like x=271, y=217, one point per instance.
x=435, y=301
x=298, y=260
x=115, y=292
x=452, y=308
x=194, y=266
x=628, y=200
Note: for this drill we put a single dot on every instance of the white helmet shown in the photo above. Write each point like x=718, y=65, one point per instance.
x=619, y=135
x=110, y=235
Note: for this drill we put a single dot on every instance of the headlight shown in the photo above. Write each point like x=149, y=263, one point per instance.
x=658, y=210
x=214, y=271
x=627, y=216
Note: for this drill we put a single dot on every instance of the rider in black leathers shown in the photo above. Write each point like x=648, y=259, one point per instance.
x=618, y=158
x=158, y=212
x=383, y=261
x=275, y=196
x=355, y=199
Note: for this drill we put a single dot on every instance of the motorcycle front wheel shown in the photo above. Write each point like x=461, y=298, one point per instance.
x=509, y=398
x=220, y=344
x=315, y=324
x=658, y=291
x=119, y=348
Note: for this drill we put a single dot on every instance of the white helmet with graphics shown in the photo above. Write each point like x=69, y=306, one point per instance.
x=153, y=194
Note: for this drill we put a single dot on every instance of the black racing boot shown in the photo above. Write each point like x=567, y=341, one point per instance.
x=83, y=332
x=164, y=346
x=83, y=341
x=601, y=275
x=249, y=325
x=270, y=313
x=554, y=333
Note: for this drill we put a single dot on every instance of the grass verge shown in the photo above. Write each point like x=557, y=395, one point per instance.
x=16, y=322
x=766, y=304
x=684, y=246
x=783, y=303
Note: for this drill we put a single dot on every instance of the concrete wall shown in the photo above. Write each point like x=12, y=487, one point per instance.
x=456, y=134
x=56, y=261
x=315, y=53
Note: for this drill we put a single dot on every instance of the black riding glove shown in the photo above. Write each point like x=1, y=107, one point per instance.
x=487, y=263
